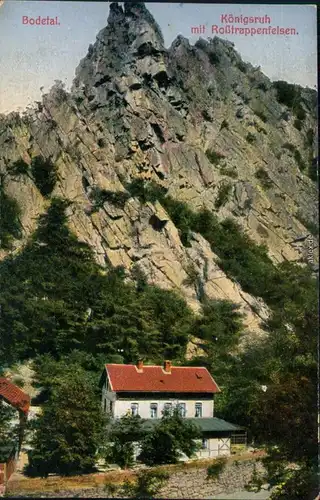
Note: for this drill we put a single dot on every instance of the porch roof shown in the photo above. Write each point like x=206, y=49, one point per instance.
x=212, y=424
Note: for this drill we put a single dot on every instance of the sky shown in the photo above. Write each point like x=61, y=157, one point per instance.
x=35, y=56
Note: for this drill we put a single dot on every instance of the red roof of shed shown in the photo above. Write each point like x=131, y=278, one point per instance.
x=13, y=395
x=126, y=378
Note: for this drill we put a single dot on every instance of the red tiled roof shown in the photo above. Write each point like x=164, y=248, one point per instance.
x=13, y=395
x=125, y=378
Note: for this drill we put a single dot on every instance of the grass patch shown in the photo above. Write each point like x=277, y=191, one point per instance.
x=214, y=156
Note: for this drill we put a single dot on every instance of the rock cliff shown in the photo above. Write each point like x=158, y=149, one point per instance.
x=197, y=120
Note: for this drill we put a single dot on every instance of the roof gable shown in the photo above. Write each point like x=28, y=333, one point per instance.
x=126, y=378
x=13, y=395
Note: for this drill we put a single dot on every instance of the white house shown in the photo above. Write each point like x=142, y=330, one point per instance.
x=147, y=390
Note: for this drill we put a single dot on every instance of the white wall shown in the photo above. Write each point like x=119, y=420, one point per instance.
x=121, y=406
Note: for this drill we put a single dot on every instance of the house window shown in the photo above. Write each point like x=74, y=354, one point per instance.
x=182, y=409
x=167, y=407
x=198, y=410
x=153, y=410
x=134, y=409
x=204, y=444
x=105, y=405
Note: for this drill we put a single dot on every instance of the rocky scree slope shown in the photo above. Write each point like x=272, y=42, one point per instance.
x=195, y=119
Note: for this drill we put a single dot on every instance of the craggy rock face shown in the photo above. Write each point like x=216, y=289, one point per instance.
x=191, y=118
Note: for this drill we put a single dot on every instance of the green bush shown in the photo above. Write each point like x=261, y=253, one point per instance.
x=230, y=172
x=214, y=58
x=225, y=125
x=45, y=175
x=250, y=138
x=299, y=160
x=101, y=196
x=287, y=93
x=216, y=468
x=149, y=482
x=10, y=226
x=19, y=167
x=214, y=156
x=223, y=195
x=261, y=115
x=262, y=86
x=264, y=178
x=300, y=113
x=289, y=147
x=309, y=137
x=101, y=142
x=241, y=66
x=297, y=124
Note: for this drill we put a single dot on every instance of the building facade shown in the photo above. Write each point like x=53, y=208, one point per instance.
x=149, y=390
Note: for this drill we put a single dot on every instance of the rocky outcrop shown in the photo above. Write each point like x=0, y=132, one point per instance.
x=191, y=118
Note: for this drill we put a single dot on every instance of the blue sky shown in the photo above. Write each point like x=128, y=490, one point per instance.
x=34, y=56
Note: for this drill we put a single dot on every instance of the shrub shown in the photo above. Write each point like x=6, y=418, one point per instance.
x=223, y=195
x=10, y=226
x=311, y=226
x=19, y=381
x=214, y=58
x=289, y=147
x=261, y=115
x=101, y=142
x=216, y=468
x=19, y=167
x=45, y=175
x=300, y=113
x=241, y=66
x=230, y=172
x=309, y=137
x=287, y=93
x=225, y=125
x=264, y=178
x=214, y=156
x=101, y=196
x=297, y=124
x=262, y=86
x=149, y=483
x=299, y=160
x=250, y=138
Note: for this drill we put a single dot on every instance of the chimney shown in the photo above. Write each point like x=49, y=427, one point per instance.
x=167, y=366
x=139, y=365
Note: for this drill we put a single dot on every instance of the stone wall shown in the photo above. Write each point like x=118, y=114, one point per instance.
x=193, y=482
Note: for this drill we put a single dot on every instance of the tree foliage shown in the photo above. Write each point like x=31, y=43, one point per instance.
x=70, y=430
x=172, y=437
x=124, y=435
